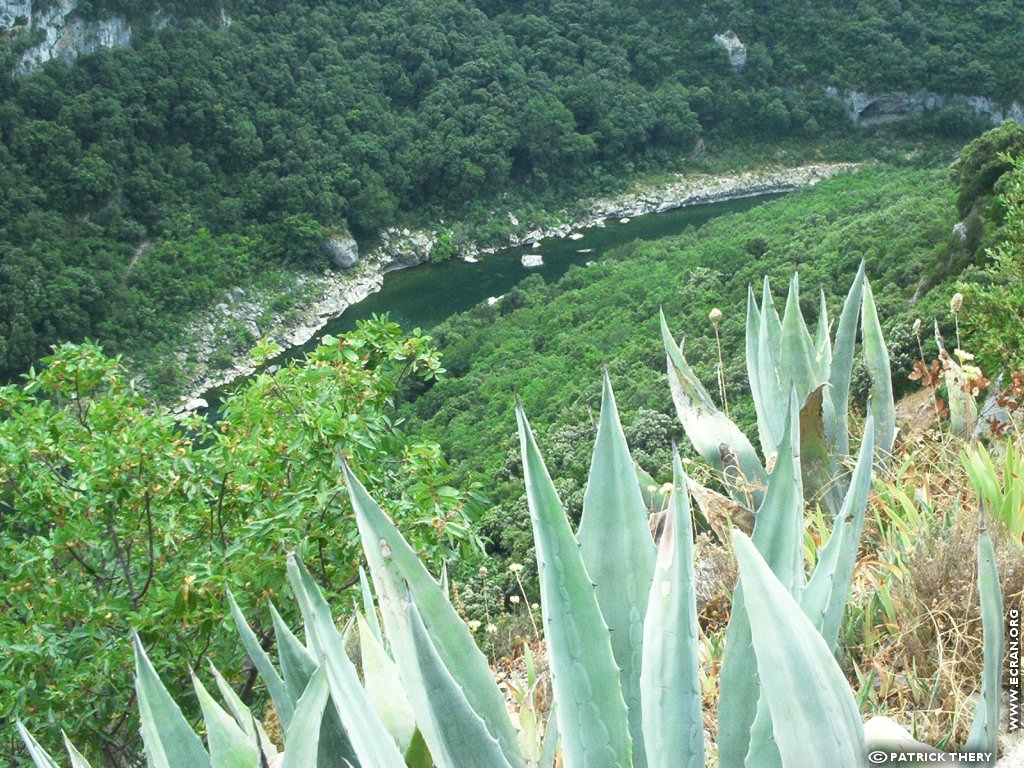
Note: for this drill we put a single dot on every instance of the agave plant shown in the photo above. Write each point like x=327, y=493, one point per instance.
x=619, y=611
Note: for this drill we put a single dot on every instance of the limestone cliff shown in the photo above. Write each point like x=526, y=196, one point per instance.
x=873, y=108
x=65, y=35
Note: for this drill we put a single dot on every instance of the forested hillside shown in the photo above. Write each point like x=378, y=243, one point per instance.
x=548, y=343
x=139, y=184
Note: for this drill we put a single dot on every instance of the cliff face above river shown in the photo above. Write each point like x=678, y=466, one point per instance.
x=244, y=315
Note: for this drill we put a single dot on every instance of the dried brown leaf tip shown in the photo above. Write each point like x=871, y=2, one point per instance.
x=930, y=376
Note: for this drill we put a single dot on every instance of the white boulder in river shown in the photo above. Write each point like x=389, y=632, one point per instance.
x=531, y=260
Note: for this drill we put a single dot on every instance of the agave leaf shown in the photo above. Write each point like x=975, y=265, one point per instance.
x=462, y=739
x=765, y=432
x=796, y=367
x=40, y=757
x=712, y=433
x=230, y=747
x=806, y=690
x=366, y=741
x=169, y=739
x=549, y=747
x=985, y=727
x=283, y=702
x=772, y=322
x=242, y=714
x=418, y=755
x=397, y=573
x=778, y=534
x=769, y=387
x=297, y=663
x=837, y=425
x=670, y=677
x=618, y=553
x=592, y=717
x=824, y=598
x=779, y=523
x=763, y=751
x=369, y=607
x=823, y=342
x=876, y=358
x=77, y=758
x=383, y=685
x=302, y=741
x=815, y=461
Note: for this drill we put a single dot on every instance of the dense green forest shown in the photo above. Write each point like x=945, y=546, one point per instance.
x=116, y=516
x=138, y=184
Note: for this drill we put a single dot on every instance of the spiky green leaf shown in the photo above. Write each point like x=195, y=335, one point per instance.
x=876, y=360
x=778, y=535
x=229, y=745
x=985, y=727
x=837, y=425
x=169, y=739
x=283, y=702
x=242, y=714
x=77, y=758
x=397, y=573
x=592, y=717
x=824, y=598
x=712, y=433
x=670, y=680
x=806, y=690
x=462, y=739
x=40, y=757
x=618, y=552
x=383, y=685
x=302, y=740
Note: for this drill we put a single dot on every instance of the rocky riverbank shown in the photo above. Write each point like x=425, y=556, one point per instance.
x=247, y=316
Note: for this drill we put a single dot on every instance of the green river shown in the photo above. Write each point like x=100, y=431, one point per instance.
x=426, y=295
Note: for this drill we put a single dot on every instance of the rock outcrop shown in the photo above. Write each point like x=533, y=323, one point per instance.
x=14, y=13
x=874, y=108
x=734, y=47
x=342, y=250
x=66, y=36
x=532, y=260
